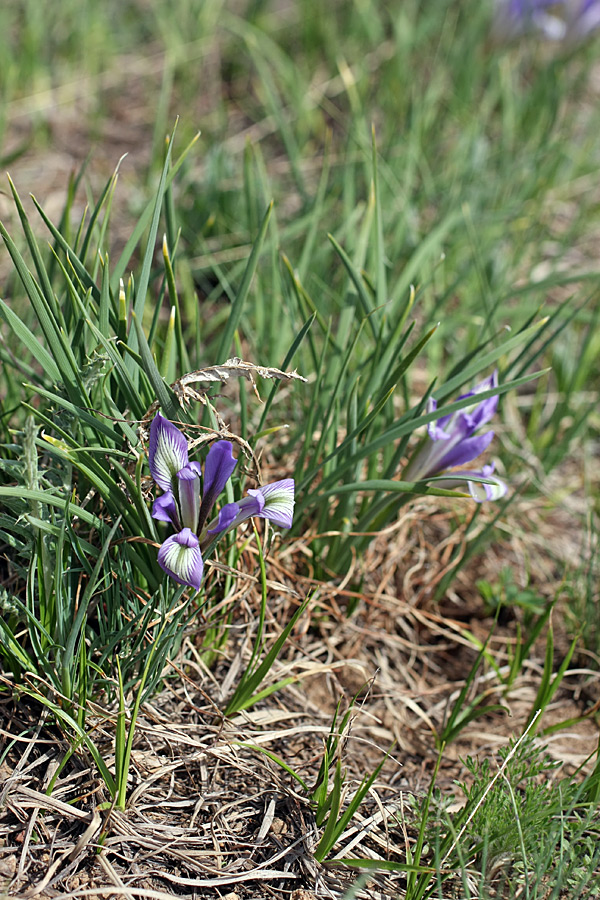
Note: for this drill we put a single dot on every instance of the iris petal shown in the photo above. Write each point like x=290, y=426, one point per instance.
x=189, y=495
x=273, y=501
x=218, y=469
x=180, y=557
x=167, y=451
x=279, y=502
x=164, y=509
x=226, y=518
x=465, y=451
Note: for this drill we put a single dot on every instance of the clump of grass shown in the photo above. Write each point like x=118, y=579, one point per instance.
x=89, y=615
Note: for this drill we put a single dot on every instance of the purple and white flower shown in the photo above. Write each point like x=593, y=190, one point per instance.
x=273, y=501
x=189, y=497
x=452, y=442
x=571, y=21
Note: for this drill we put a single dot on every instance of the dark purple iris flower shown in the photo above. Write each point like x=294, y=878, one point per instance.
x=187, y=509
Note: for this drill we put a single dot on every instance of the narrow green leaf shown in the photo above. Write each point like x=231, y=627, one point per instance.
x=95, y=579
x=30, y=342
x=34, y=250
x=284, y=366
x=59, y=347
x=73, y=726
x=168, y=361
x=97, y=424
x=398, y=487
x=276, y=759
x=249, y=685
x=61, y=242
x=486, y=360
x=104, y=302
x=164, y=394
x=142, y=223
x=106, y=196
x=381, y=280
x=359, y=284
x=238, y=304
x=144, y=279
x=377, y=865
x=182, y=354
x=56, y=500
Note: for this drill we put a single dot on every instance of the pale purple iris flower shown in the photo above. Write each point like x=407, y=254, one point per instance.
x=452, y=442
x=570, y=21
x=186, y=507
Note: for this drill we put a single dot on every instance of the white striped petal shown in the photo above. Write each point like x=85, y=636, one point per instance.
x=167, y=452
x=180, y=557
x=279, y=502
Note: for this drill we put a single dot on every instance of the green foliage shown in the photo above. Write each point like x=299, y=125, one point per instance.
x=379, y=301
x=79, y=480
x=536, y=612
x=529, y=826
x=515, y=808
x=469, y=705
x=521, y=826
x=581, y=589
x=550, y=681
x=383, y=303
x=331, y=788
x=508, y=594
x=327, y=800
x=332, y=751
x=333, y=819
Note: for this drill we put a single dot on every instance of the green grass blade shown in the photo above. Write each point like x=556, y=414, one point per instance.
x=59, y=347
x=141, y=290
x=238, y=303
x=164, y=394
x=30, y=342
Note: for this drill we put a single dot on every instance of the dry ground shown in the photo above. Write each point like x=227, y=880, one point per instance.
x=209, y=816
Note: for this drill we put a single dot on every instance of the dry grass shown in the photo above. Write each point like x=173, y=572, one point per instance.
x=207, y=814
